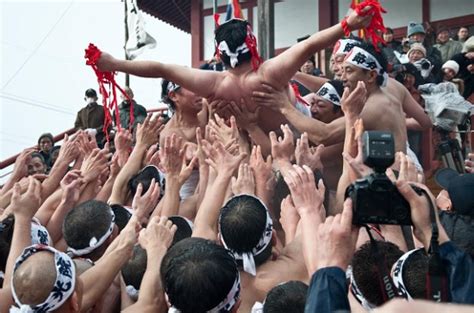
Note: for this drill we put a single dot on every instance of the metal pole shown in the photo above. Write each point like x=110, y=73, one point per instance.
x=127, y=76
x=266, y=28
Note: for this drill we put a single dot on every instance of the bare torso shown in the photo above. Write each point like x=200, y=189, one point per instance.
x=235, y=85
x=383, y=111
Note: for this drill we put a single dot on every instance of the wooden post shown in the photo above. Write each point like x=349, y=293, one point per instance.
x=127, y=76
x=266, y=31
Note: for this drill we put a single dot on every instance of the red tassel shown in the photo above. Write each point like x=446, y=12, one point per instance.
x=251, y=42
x=297, y=94
x=104, y=79
x=377, y=21
x=216, y=19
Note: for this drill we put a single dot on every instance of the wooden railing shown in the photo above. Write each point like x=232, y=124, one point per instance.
x=7, y=162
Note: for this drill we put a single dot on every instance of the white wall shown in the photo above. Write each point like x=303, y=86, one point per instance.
x=295, y=19
x=442, y=9
x=400, y=12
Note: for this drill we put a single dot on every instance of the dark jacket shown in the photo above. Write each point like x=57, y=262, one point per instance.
x=91, y=116
x=328, y=292
x=460, y=270
x=139, y=114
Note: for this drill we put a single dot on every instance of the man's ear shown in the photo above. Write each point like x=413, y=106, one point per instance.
x=172, y=96
x=372, y=77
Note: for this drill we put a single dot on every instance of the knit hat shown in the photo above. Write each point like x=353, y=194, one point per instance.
x=459, y=187
x=441, y=29
x=46, y=135
x=417, y=46
x=452, y=65
x=468, y=45
x=414, y=28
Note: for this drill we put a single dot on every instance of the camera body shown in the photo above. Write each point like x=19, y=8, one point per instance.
x=375, y=199
x=425, y=64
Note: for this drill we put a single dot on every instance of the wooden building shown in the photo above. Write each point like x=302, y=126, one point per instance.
x=297, y=18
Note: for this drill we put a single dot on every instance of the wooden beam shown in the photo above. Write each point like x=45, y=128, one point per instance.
x=425, y=9
x=266, y=28
x=197, y=35
x=325, y=14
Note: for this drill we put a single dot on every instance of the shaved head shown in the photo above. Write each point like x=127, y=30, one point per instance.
x=33, y=280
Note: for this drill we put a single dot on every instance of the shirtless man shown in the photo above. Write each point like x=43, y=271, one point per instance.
x=188, y=112
x=393, y=100
x=243, y=77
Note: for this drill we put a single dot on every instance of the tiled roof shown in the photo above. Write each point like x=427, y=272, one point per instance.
x=174, y=12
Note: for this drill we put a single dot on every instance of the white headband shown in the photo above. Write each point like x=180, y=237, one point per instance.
x=363, y=59
x=328, y=92
x=94, y=243
x=187, y=220
x=226, y=305
x=172, y=87
x=357, y=293
x=63, y=286
x=247, y=258
x=234, y=56
x=343, y=46
x=397, y=273
x=132, y=292
x=39, y=234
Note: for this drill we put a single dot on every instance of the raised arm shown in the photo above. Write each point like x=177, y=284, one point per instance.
x=318, y=132
x=412, y=109
x=313, y=83
x=224, y=163
x=279, y=70
x=147, y=135
x=98, y=278
x=155, y=239
x=200, y=82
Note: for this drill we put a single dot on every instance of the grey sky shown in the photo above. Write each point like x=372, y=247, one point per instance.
x=46, y=39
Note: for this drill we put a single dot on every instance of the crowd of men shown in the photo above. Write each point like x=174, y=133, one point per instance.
x=238, y=202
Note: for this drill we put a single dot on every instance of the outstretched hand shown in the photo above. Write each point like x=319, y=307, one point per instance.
x=144, y=204
x=245, y=182
x=356, y=21
x=221, y=160
x=148, y=131
x=26, y=204
x=336, y=239
x=305, y=155
x=420, y=207
x=173, y=159
x=71, y=185
x=353, y=102
x=158, y=235
x=306, y=197
x=282, y=148
x=271, y=98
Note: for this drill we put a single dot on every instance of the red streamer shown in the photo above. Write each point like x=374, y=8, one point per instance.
x=298, y=94
x=376, y=23
x=251, y=42
x=107, y=79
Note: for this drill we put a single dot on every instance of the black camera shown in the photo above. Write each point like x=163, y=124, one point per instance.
x=375, y=199
x=425, y=64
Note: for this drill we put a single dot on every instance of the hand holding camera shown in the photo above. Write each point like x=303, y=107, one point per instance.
x=376, y=199
x=424, y=66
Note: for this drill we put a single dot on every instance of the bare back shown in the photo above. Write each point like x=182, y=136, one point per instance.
x=235, y=85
